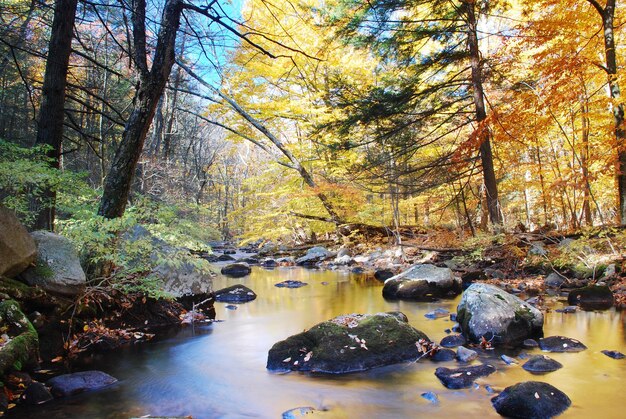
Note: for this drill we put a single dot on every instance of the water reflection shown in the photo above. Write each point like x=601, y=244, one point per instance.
x=219, y=371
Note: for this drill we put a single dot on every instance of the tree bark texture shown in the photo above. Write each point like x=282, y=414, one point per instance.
x=50, y=120
x=150, y=88
x=486, y=155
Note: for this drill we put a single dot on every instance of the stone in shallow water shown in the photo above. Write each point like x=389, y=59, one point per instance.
x=463, y=377
x=508, y=360
x=466, y=355
x=530, y=343
x=452, y=341
x=78, y=382
x=431, y=397
x=422, y=282
x=348, y=343
x=593, y=297
x=531, y=399
x=236, y=270
x=235, y=294
x=437, y=313
x=36, y=393
x=443, y=355
x=298, y=412
x=561, y=344
x=290, y=284
x=541, y=363
x=613, y=354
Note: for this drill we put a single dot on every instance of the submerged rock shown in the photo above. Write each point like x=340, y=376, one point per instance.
x=541, y=363
x=613, y=354
x=437, y=313
x=236, y=270
x=463, y=377
x=593, y=297
x=298, y=412
x=422, y=283
x=561, y=344
x=530, y=343
x=531, y=399
x=501, y=318
x=431, y=397
x=36, y=393
x=348, y=343
x=78, y=382
x=290, y=283
x=235, y=294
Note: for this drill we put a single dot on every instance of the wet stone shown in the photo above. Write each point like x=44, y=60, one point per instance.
x=290, y=284
x=70, y=384
x=530, y=343
x=452, y=341
x=235, y=294
x=36, y=393
x=540, y=363
x=466, y=355
x=593, y=297
x=437, y=313
x=508, y=360
x=531, y=399
x=567, y=310
x=613, y=354
x=443, y=355
x=431, y=397
x=462, y=377
x=561, y=344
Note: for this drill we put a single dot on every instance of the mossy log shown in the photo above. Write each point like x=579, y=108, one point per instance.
x=22, y=348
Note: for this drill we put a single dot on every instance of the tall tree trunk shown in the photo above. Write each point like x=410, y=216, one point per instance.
x=149, y=91
x=607, y=14
x=50, y=121
x=486, y=156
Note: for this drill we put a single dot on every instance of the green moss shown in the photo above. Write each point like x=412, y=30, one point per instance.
x=498, y=296
x=23, y=348
x=42, y=270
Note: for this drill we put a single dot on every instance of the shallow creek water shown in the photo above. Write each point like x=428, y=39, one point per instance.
x=218, y=370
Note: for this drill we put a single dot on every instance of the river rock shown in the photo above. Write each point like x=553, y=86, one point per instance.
x=269, y=263
x=554, y=280
x=290, y=283
x=236, y=270
x=225, y=258
x=248, y=260
x=344, y=260
x=501, y=318
x=593, y=297
x=541, y=363
x=313, y=256
x=422, y=283
x=463, y=377
x=561, y=344
x=57, y=269
x=437, y=313
x=530, y=343
x=78, y=382
x=299, y=412
x=235, y=294
x=453, y=341
x=17, y=248
x=443, y=355
x=613, y=354
x=36, y=393
x=383, y=274
x=348, y=343
x=22, y=346
x=431, y=397
x=531, y=399
x=465, y=355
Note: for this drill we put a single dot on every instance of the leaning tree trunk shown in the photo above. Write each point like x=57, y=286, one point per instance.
x=151, y=86
x=50, y=121
x=486, y=156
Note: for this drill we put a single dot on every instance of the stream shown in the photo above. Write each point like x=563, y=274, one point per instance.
x=218, y=370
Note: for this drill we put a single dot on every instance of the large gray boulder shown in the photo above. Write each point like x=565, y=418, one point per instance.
x=422, y=282
x=178, y=279
x=17, y=247
x=348, y=343
x=486, y=311
x=57, y=269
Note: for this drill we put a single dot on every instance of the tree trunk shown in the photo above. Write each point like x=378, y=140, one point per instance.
x=149, y=91
x=50, y=121
x=607, y=14
x=486, y=156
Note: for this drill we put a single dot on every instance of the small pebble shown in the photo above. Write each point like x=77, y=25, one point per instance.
x=431, y=397
x=508, y=360
x=613, y=354
x=231, y=307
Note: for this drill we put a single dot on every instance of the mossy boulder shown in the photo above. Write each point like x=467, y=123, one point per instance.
x=349, y=343
x=422, y=282
x=23, y=345
x=593, y=297
x=486, y=311
x=17, y=247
